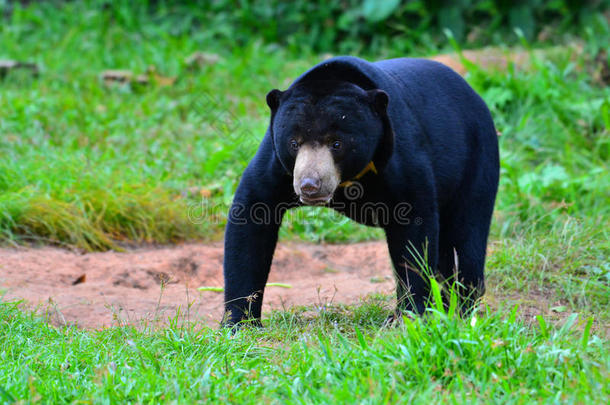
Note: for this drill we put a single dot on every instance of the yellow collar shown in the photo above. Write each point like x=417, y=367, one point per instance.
x=369, y=168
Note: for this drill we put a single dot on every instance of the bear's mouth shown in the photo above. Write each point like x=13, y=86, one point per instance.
x=321, y=200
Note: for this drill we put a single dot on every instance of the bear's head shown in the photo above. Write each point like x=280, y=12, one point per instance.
x=326, y=132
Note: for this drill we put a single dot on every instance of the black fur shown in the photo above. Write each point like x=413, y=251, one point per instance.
x=433, y=143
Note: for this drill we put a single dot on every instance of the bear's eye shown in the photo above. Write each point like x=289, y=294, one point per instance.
x=336, y=145
x=294, y=145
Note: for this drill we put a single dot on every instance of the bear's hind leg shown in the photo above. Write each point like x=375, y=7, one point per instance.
x=410, y=245
x=462, y=251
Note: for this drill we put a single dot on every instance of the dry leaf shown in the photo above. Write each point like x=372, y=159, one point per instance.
x=8, y=65
x=119, y=76
x=79, y=280
x=199, y=59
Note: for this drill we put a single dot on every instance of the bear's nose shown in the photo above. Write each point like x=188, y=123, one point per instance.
x=309, y=186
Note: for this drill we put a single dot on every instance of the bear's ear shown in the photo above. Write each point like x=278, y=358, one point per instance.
x=379, y=100
x=273, y=99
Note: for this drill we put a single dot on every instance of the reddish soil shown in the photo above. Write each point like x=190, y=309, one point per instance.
x=146, y=286
x=126, y=287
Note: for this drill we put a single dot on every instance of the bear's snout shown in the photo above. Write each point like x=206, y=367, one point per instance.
x=315, y=175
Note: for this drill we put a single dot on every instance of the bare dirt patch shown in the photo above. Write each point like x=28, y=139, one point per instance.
x=102, y=289
x=144, y=285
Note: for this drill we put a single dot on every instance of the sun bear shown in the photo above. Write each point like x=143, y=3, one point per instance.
x=402, y=144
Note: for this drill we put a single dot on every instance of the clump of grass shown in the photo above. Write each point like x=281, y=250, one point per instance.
x=100, y=220
x=50, y=221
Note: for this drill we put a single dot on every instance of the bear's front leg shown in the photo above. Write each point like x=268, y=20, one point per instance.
x=409, y=245
x=249, y=245
x=251, y=235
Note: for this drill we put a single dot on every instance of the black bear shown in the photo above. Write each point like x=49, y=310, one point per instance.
x=403, y=144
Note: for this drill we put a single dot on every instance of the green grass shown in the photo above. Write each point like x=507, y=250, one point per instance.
x=338, y=356
x=97, y=167
x=90, y=165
